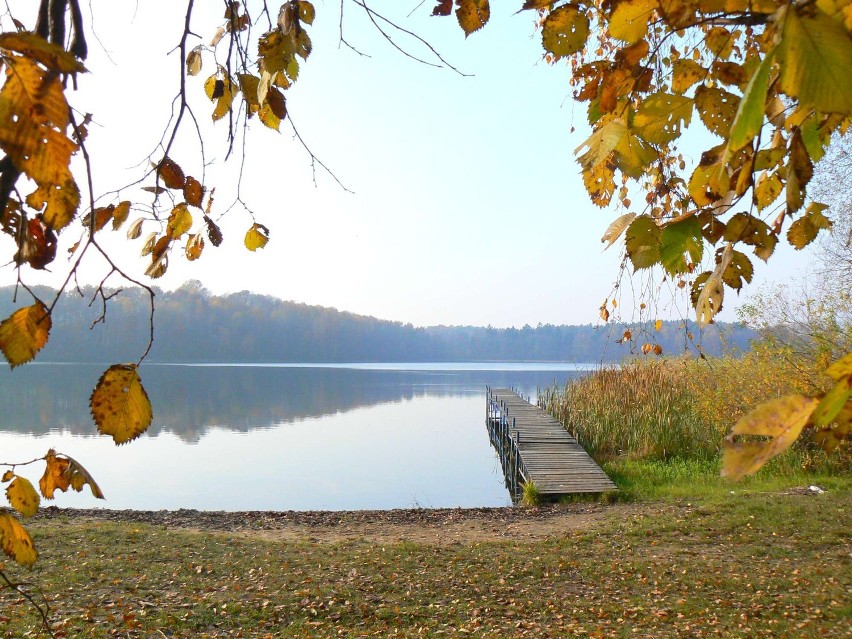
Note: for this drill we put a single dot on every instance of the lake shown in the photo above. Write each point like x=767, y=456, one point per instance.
x=276, y=437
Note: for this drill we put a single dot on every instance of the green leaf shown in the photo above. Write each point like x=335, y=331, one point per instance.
x=752, y=108
x=643, y=242
x=679, y=239
x=814, y=53
x=565, y=31
x=661, y=116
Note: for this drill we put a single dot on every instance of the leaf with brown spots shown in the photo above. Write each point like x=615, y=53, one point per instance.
x=120, y=405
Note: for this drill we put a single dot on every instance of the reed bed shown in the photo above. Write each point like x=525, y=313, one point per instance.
x=672, y=408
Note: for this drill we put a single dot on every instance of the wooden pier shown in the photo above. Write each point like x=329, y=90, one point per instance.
x=534, y=447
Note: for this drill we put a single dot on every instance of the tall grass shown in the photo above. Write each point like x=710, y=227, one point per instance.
x=638, y=410
x=682, y=408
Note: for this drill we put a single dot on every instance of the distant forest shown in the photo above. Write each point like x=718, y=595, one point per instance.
x=193, y=326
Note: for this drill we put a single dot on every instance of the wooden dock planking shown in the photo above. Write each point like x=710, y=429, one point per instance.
x=534, y=446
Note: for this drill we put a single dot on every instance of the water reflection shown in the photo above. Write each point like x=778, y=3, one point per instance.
x=274, y=438
x=189, y=400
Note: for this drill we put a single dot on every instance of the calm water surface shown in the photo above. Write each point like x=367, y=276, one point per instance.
x=276, y=437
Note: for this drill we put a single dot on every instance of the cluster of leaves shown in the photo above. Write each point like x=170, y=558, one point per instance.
x=60, y=473
x=769, y=80
x=39, y=136
x=278, y=53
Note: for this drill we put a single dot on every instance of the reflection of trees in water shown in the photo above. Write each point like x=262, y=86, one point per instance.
x=188, y=400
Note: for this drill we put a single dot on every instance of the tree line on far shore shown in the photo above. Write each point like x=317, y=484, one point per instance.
x=192, y=325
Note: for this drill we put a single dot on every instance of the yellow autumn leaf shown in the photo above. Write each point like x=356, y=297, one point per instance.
x=778, y=421
x=7, y=476
x=194, y=247
x=814, y=53
x=119, y=215
x=79, y=477
x=615, y=230
x=120, y=405
x=180, y=221
x=629, y=22
x=36, y=113
x=16, y=541
x=34, y=47
x=256, y=237
x=55, y=476
x=565, y=30
x=23, y=496
x=472, y=14
x=661, y=116
x=658, y=325
x=717, y=109
x=24, y=333
x=685, y=73
x=841, y=368
x=601, y=143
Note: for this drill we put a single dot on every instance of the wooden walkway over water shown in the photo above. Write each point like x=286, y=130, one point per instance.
x=534, y=446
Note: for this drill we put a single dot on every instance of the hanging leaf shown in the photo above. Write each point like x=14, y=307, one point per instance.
x=120, y=405
x=841, y=368
x=739, y=271
x=23, y=496
x=629, y=22
x=600, y=183
x=193, y=191
x=171, y=174
x=443, y=8
x=55, y=475
x=643, y=242
x=119, y=215
x=16, y=541
x=752, y=108
x=778, y=422
x=661, y=116
x=78, y=477
x=307, y=13
x=34, y=47
x=180, y=221
x=565, y=30
x=472, y=14
x=717, y=109
x=615, y=229
x=601, y=143
x=256, y=237
x=678, y=240
x=814, y=55
x=135, y=229
x=193, y=61
x=194, y=246
x=805, y=230
x=685, y=73
x=24, y=333
x=214, y=234
x=833, y=402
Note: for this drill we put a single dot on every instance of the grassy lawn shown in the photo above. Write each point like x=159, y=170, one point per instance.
x=746, y=564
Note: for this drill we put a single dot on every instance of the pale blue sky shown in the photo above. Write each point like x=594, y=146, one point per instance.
x=468, y=207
